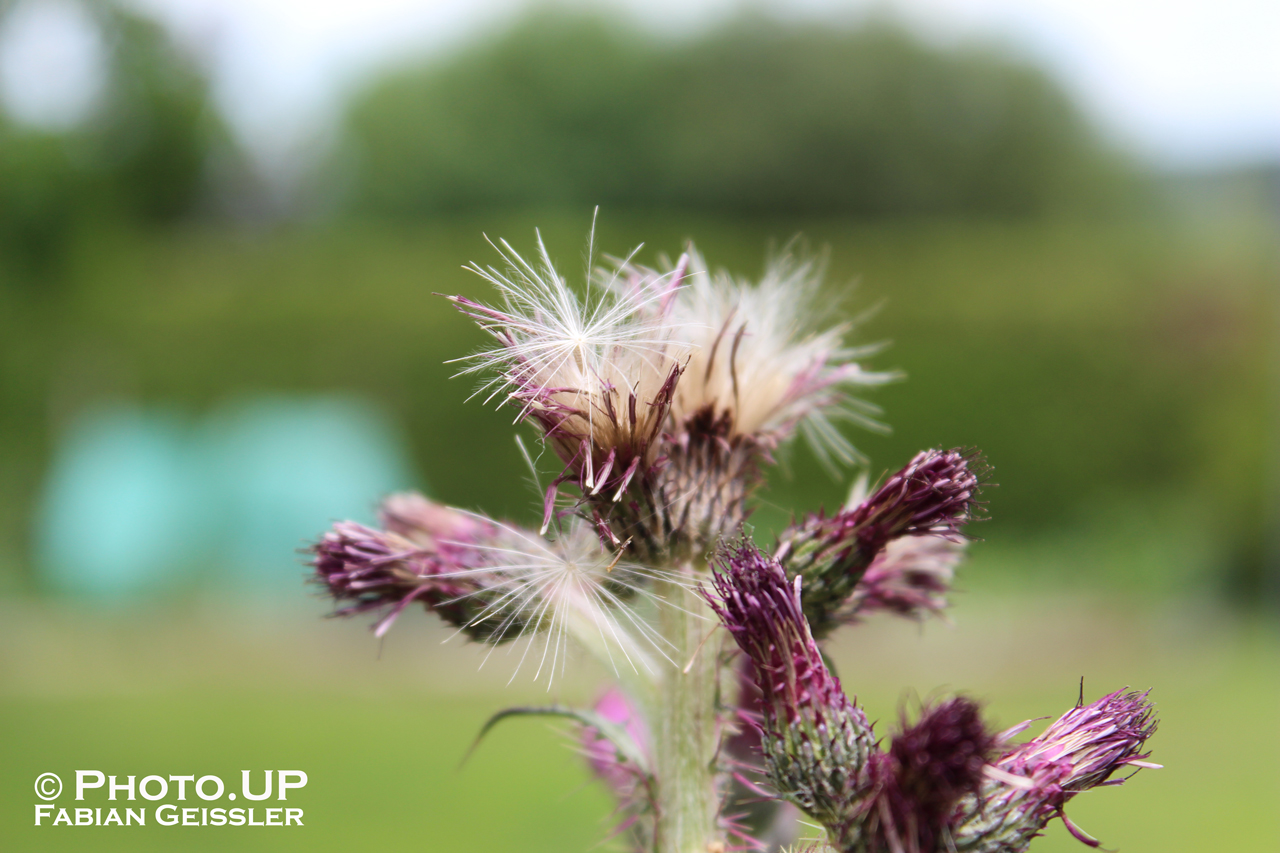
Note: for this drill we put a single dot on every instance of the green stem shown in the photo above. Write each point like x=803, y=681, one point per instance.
x=686, y=725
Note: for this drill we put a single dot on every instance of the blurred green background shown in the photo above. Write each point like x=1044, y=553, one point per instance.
x=203, y=366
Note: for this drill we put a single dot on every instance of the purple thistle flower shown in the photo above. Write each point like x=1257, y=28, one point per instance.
x=1033, y=780
x=631, y=784
x=432, y=525
x=815, y=740
x=915, y=786
x=934, y=495
x=492, y=581
x=428, y=554
x=606, y=761
x=910, y=577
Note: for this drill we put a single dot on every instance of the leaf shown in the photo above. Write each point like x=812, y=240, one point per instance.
x=614, y=733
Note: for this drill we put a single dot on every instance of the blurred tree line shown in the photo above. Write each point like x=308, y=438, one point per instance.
x=754, y=117
x=751, y=118
x=141, y=156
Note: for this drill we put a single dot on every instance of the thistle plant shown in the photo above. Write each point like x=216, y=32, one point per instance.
x=664, y=394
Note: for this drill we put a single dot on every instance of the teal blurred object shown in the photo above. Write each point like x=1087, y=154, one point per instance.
x=285, y=468
x=119, y=509
x=137, y=500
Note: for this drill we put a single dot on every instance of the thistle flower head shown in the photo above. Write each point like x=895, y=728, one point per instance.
x=435, y=559
x=494, y=582
x=431, y=525
x=662, y=392
x=1088, y=743
x=761, y=358
x=941, y=756
x=595, y=373
x=910, y=578
x=1033, y=780
x=916, y=785
x=934, y=496
x=815, y=740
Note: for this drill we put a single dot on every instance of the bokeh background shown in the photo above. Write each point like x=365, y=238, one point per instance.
x=222, y=229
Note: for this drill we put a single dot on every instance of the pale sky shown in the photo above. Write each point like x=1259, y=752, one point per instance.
x=1184, y=82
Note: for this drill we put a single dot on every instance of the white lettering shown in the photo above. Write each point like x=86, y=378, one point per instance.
x=248, y=794
x=164, y=820
x=113, y=787
x=40, y=814
x=81, y=784
x=286, y=784
x=200, y=788
x=182, y=784
x=164, y=788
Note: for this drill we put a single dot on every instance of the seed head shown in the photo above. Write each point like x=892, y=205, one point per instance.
x=663, y=392
x=762, y=359
x=595, y=373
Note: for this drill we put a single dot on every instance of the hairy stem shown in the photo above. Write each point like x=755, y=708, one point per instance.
x=686, y=731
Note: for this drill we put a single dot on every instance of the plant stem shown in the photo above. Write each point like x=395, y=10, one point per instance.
x=686, y=725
